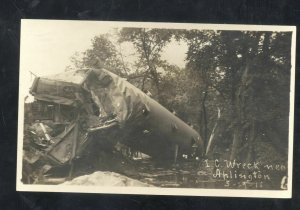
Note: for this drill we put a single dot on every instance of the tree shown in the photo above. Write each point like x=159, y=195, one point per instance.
x=250, y=70
x=202, y=57
x=149, y=44
x=234, y=89
x=103, y=53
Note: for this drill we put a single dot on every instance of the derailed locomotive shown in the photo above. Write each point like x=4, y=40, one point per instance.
x=78, y=108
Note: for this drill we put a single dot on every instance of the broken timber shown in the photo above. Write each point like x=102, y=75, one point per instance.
x=95, y=105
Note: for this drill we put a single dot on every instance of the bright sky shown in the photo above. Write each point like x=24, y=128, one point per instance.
x=47, y=45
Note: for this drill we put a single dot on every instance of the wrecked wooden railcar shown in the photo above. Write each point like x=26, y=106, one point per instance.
x=75, y=109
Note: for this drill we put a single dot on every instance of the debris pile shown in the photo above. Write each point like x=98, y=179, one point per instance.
x=79, y=115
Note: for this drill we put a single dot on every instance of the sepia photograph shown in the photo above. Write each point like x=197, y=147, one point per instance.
x=156, y=108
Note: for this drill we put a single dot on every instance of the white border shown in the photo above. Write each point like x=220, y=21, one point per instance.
x=168, y=191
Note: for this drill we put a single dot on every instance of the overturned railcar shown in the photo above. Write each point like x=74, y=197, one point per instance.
x=75, y=108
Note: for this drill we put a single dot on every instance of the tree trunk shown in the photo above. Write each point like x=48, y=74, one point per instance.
x=235, y=143
x=251, y=142
x=204, y=116
x=211, y=138
x=238, y=101
x=151, y=67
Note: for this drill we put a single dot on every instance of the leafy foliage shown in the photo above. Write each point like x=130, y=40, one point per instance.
x=102, y=54
x=243, y=75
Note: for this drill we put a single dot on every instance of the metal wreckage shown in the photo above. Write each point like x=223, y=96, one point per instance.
x=84, y=113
